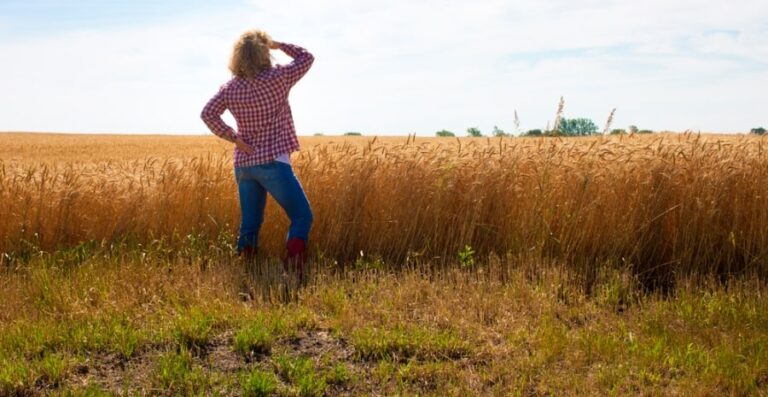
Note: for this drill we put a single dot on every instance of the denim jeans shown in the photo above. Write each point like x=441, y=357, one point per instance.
x=277, y=179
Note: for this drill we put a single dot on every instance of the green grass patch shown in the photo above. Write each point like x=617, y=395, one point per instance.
x=338, y=374
x=87, y=391
x=52, y=369
x=256, y=336
x=175, y=373
x=306, y=381
x=258, y=383
x=193, y=330
x=404, y=342
x=108, y=335
x=16, y=377
x=253, y=339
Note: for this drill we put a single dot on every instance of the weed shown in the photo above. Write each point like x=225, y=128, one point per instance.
x=467, y=256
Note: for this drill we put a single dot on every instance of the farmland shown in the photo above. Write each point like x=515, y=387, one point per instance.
x=483, y=266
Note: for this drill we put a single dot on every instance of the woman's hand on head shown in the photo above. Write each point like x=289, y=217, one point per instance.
x=274, y=45
x=242, y=146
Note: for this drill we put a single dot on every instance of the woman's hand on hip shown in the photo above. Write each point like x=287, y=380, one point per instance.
x=242, y=146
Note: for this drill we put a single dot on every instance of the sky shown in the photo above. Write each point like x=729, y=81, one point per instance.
x=390, y=67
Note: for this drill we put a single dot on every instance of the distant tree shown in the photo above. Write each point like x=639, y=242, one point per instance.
x=499, y=132
x=757, y=131
x=577, y=127
x=645, y=132
x=474, y=132
x=318, y=134
x=533, y=133
x=618, y=131
x=353, y=133
x=632, y=129
x=445, y=133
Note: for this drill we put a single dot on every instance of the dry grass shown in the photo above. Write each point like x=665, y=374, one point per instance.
x=663, y=205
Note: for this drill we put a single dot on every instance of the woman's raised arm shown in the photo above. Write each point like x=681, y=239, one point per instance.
x=302, y=61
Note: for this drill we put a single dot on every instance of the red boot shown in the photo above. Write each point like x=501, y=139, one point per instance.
x=296, y=258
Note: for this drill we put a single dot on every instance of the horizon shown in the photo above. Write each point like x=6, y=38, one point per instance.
x=409, y=67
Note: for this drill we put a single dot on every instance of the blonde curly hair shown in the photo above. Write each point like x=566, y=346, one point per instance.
x=251, y=54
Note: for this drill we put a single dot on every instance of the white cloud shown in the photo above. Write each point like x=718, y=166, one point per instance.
x=405, y=66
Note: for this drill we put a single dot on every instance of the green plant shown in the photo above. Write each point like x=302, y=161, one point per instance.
x=353, y=133
x=445, y=133
x=258, y=383
x=618, y=131
x=632, y=129
x=645, y=132
x=467, y=256
x=757, y=131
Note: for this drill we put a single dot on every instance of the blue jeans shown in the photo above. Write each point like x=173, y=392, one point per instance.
x=277, y=179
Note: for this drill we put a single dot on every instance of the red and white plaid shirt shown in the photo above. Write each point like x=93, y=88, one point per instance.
x=260, y=107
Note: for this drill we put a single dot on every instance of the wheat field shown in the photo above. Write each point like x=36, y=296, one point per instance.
x=607, y=265
x=661, y=205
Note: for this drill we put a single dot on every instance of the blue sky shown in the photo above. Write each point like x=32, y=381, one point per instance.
x=390, y=68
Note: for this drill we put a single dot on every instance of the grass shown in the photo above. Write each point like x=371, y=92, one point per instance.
x=253, y=339
x=390, y=333
x=302, y=374
x=258, y=383
x=404, y=342
x=176, y=374
x=193, y=330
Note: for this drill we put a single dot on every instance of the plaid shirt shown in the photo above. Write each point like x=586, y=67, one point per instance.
x=260, y=107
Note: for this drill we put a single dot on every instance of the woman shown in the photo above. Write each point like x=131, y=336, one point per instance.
x=257, y=96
